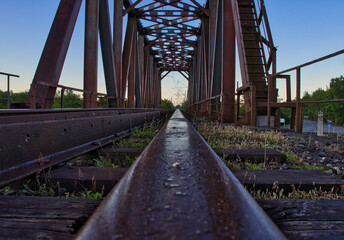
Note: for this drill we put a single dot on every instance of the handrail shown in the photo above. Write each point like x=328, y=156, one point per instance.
x=299, y=103
x=323, y=101
x=9, y=75
x=70, y=88
x=307, y=63
x=208, y=99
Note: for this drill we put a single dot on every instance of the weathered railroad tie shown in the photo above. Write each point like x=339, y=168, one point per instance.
x=179, y=189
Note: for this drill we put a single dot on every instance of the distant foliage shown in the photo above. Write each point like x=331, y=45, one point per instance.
x=332, y=111
x=19, y=97
x=3, y=99
x=167, y=104
x=71, y=100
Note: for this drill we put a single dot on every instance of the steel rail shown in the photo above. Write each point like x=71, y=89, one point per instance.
x=28, y=147
x=31, y=115
x=179, y=189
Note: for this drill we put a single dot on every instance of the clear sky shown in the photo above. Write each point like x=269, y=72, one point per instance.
x=302, y=30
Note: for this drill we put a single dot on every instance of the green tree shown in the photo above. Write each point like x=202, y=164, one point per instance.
x=167, y=104
x=71, y=100
x=3, y=99
x=332, y=111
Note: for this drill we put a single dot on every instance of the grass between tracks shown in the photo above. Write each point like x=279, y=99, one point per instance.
x=221, y=136
x=314, y=194
x=139, y=138
x=233, y=137
x=45, y=188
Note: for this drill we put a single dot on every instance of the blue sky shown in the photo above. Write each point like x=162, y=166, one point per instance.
x=302, y=30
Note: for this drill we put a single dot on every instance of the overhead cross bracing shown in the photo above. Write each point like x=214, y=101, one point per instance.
x=196, y=38
x=171, y=28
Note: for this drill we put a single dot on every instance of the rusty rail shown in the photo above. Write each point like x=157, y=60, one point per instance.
x=44, y=141
x=179, y=189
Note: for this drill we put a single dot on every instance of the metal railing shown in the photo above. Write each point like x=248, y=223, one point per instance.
x=9, y=75
x=298, y=104
x=64, y=88
x=210, y=106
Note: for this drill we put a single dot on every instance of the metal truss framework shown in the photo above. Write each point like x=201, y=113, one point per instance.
x=192, y=37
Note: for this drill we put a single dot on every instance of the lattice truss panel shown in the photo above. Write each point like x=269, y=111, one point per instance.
x=172, y=27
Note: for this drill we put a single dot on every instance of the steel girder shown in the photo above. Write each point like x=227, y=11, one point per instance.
x=162, y=36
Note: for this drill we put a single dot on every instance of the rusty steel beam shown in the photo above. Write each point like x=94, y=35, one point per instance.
x=140, y=69
x=179, y=188
x=146, y=77
x=213, y=22
x=117, y=45
x=217, y=78
x=228, y=63
x=107, y=53
x=127, y=10
x=91, y=53
x=54, y=53
x=127, y=54
x=41, y=144
x=132, y=71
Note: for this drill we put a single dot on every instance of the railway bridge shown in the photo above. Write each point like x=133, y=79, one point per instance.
x=178, y=188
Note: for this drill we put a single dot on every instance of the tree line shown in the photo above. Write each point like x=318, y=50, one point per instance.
x=71, y=100
x=332, y=111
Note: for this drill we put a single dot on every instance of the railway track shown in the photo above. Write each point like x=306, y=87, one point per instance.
x=177, y=188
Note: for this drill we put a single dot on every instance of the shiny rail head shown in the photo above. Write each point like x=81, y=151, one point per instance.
x=179, y=189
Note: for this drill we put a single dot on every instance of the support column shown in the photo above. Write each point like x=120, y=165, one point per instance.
x=146, y=77
x=54, y=53
x=228, y=80
x=91, y=53
x=117, y=43
x=131, y=75
x=127, y=53
x=107, y=53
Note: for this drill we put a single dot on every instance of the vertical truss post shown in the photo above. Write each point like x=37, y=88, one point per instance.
x=127, y=54
x=228, y=80
x=138, y=78
x=141, y=64
x=91, y=53
x=191, y=84
x=205, y=61
x=117, y=44
x=132, y=71
x=107, y=52
x=199, y=72
x=146, y=77
x=54, y=53
x=159, y=90
x=153, y=86
x=214, y=75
